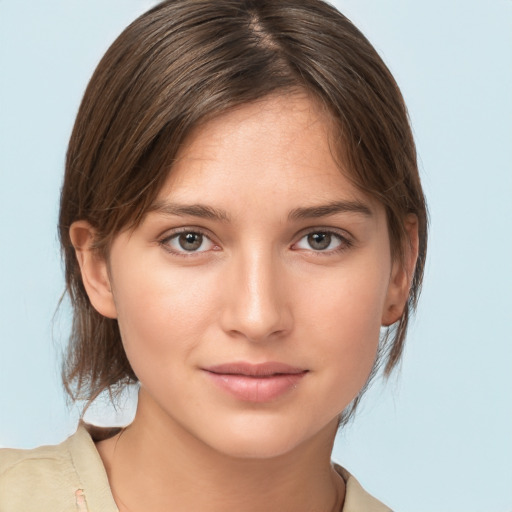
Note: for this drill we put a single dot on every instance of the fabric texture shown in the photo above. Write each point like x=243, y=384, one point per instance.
x=70, y=477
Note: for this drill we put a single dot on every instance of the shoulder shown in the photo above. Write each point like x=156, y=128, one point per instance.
x=28, y=478
x=356, y=498
x=50, y=478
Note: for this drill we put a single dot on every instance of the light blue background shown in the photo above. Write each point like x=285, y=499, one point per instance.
x=437, y=437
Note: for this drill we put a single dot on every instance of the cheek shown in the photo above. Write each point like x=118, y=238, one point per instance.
x=351, y=299
x=161, y=314
x=343, y=314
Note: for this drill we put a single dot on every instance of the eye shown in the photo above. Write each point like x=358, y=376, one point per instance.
x=322, y=241
x=188, y=242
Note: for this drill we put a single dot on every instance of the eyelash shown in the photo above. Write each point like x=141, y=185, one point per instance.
x=344, y=242
x=165, y=242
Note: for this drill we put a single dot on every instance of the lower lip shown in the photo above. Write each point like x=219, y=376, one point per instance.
x=257, y=389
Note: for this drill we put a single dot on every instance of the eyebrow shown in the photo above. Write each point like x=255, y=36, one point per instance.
x=308, y=212
x=313, y=212
x=192, y=210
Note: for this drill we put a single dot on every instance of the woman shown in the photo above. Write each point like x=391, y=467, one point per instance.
x=241, y=215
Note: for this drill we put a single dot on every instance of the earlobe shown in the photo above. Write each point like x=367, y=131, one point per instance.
x=402, y=274
x=93, y=268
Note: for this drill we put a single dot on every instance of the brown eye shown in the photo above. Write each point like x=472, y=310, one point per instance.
x=319, y=241
x=190, y=241
x=322, y=241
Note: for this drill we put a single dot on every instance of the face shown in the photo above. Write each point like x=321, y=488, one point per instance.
x=251, y=297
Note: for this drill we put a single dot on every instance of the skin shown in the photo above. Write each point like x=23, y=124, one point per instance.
x=256, y=289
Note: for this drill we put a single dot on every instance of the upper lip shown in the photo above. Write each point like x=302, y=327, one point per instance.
x=255, y=370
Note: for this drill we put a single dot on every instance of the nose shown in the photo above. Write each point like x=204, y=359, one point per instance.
x=256, y=306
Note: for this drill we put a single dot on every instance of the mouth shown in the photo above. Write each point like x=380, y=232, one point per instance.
x=256, y=383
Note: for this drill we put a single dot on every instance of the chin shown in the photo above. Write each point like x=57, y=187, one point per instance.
x=256, y=447
x=255, y=438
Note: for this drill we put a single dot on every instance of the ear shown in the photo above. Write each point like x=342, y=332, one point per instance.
x=402, y=274
x=94, y=269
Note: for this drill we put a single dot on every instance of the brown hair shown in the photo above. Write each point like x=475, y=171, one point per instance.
x=185, y=61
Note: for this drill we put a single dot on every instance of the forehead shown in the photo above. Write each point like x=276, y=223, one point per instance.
x=278, y=149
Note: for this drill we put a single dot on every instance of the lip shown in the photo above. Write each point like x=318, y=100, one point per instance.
x=256, y=383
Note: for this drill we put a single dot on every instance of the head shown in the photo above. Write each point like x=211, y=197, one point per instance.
x=181, y=68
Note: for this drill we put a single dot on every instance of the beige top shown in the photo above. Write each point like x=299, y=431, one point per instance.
x=71, y=477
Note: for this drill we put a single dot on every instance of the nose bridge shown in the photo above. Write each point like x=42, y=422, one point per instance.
x=256, y=306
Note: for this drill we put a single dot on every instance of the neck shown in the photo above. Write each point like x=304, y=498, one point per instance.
x=157, y=465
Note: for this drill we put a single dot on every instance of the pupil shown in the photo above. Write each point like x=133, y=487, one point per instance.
x=190, y=241
x=319, y=241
